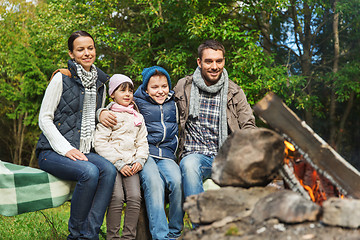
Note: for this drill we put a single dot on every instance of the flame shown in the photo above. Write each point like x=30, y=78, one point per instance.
x=289, y=146
x=308, y=189
x=315, y=184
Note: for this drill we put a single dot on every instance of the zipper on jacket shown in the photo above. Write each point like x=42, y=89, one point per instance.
x=163, y=124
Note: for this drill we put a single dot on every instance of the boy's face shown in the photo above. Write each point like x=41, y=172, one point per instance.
x=158, y=88
x=123, y=96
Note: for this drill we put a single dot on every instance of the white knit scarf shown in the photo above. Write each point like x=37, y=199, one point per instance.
x=222, y=85
x=88, y=80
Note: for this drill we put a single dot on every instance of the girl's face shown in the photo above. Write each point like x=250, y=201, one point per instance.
x=84, y=52
x=123, y=96
x=158, y=88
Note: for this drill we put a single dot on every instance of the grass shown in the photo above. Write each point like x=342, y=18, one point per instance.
x=48, y=224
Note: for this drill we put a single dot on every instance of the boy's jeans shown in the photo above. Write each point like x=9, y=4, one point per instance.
x=156, y=176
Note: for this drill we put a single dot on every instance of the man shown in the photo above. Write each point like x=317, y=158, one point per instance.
x=211, y=106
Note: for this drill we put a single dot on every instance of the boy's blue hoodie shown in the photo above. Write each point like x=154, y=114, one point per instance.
x=160, y=119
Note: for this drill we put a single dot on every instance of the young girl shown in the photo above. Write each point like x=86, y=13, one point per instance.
x=67, y=121
x=126, y=146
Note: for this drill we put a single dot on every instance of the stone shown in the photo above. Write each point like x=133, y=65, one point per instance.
x=214, y=205
x=250, y=157
x=286, y=206
x=341, y=212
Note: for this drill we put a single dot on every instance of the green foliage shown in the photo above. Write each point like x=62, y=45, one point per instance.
x=22, y=80
x=265, y=45
x=347, y=80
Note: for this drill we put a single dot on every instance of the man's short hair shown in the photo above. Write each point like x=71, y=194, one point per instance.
x=213, y=44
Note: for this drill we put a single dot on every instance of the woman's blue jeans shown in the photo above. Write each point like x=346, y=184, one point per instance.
x=95, y=181
x=156, y=176
x=195, y=168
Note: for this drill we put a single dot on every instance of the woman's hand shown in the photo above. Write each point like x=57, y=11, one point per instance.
x=75, y=154
x=107, y=118
x=126, y=171
x=136, y=167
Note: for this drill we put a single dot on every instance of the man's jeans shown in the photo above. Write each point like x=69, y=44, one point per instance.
x=156, y=176
x=195, y=168
x=95, y=180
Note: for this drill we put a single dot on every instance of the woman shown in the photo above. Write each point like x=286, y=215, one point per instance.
x=67, y=121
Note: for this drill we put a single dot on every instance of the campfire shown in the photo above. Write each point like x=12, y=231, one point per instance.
x=318, y=188
x=315, y=163
x=248, y=205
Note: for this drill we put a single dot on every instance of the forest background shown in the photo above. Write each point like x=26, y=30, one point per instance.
x=307, y=52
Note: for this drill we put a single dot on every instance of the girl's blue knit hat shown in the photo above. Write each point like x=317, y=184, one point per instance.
x=148, y=72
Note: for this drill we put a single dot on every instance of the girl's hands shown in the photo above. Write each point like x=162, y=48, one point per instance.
x=107, y=118
x=136, y=167
x=128, y=171
x=74, y=154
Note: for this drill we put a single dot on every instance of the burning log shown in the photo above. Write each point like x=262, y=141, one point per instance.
x=290, y=178
x=301, y=177
x=320, y=155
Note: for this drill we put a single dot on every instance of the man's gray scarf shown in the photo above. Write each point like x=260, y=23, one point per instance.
x=88, y=80
x=222, y=85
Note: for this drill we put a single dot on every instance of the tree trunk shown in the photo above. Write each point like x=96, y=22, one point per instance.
x=344, y=118
x=19, y=135
x=264, y=24
x=32, y=162
x=303, y=39
x=335, y=70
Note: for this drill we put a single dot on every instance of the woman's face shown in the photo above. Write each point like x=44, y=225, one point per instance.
x=158, y=88
x=84, y=52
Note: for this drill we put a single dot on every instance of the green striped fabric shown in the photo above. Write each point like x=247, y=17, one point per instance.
x=25, y=189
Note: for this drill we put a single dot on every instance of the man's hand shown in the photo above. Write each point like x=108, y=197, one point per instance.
x=107, y=118
x=74, y=154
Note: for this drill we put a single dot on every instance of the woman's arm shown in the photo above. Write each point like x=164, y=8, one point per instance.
x=106, y=117
x=46, y=116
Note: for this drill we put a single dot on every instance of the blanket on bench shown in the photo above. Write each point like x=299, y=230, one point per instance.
x=25, y=189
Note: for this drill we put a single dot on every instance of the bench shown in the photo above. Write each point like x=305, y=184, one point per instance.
x=25, y=189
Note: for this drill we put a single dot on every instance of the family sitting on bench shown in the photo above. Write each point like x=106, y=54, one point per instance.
x=136, y=142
